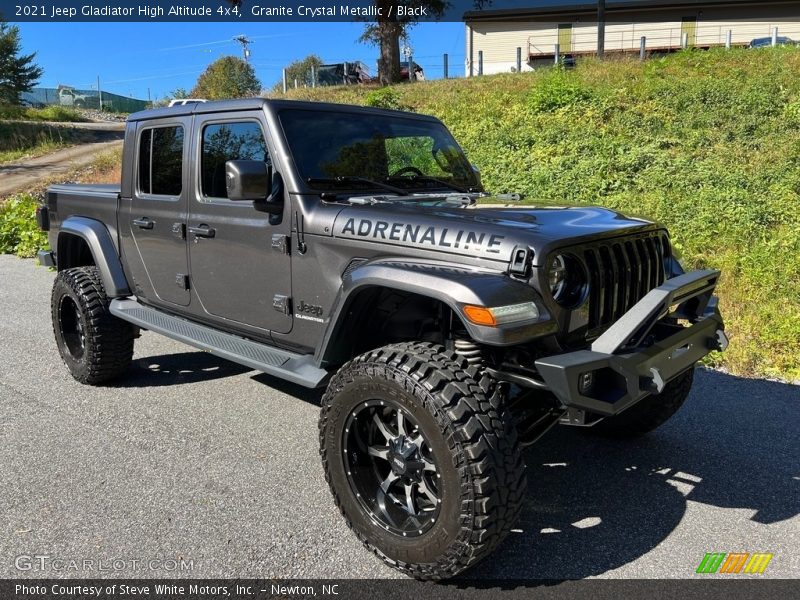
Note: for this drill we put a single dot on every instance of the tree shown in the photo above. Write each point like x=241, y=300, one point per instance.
x=18, y=73
x=301, y=71
x=178, y=94
x=388, y=28
x=227, y=77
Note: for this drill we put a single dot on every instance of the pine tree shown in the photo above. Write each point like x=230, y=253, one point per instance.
x=18, y=73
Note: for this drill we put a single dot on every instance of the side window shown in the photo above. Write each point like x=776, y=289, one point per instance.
x=161, y=161
x=228, y=141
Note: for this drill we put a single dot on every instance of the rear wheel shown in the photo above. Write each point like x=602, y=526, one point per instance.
x=644, y=416
x=95, y=345
x=423, y=463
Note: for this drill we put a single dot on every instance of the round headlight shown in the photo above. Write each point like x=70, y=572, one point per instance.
x=567, y=280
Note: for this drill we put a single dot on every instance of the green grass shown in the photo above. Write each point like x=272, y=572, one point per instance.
x=24, y=140
x=707, y=143
x=48, y=113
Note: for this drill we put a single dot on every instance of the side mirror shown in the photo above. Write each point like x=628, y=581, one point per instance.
x=247, y=180
x=253, y=181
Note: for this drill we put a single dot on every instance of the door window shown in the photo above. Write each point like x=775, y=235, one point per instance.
x=161, y=161
x=228, y=141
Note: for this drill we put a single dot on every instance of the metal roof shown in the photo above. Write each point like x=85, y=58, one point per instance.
x=560, y=9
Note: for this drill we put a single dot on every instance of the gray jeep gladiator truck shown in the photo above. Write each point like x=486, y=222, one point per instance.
x=341, y=246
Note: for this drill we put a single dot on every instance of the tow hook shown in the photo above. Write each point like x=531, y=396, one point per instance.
x=654, y=383
x=719, y=342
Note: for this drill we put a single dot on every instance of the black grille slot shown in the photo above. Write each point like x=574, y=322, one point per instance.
x=620, y=274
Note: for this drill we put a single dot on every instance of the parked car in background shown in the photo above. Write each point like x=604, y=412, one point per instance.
x=765, y=42
x=69, y=97
x=344, y=73
x=404, y=68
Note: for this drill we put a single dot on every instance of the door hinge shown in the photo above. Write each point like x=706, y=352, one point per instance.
x=281, y=303
x=182, y=281
x=280, y=243
x=179, y=230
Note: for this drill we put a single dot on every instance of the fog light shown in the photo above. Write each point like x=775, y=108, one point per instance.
x=585, y=383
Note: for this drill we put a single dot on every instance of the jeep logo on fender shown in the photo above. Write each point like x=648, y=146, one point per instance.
x=309, y=312
x=426, y=235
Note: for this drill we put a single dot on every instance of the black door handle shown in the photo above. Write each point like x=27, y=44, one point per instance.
x=203, y=231
x=144, y=223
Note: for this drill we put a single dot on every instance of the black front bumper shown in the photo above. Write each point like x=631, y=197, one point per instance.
x=643, y=350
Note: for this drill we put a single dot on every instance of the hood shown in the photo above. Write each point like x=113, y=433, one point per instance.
x=490, y=233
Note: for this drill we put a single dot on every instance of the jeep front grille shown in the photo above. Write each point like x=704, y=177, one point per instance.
x=621, y=272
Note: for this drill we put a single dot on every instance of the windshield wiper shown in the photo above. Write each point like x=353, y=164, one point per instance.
x=441, y=182
x=354, y=179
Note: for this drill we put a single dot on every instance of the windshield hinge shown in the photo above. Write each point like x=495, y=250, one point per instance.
x=521, y=259
x=280, y=243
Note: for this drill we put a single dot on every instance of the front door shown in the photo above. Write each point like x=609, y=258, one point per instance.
x=689, y=29
x=565, y=38
x=240, y=269
x=155, y=217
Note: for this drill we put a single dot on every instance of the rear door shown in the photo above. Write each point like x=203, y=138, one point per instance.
x=239, y=257
x=156, y=213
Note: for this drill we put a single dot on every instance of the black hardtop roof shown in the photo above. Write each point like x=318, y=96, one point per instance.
x=221, y=106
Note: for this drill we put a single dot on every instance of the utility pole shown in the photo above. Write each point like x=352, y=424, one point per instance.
x=601, y=29
x=242, y=39
x=99, y=93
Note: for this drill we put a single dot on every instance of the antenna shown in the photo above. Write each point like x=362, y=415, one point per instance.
x=242, y=39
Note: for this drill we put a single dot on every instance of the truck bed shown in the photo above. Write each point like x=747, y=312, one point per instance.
x=97, y=201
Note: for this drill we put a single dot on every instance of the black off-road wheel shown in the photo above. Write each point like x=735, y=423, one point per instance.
x=423, y=461
x=95, y=345
x=648, y=414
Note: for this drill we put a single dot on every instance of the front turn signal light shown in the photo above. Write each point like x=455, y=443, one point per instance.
x=500, y=315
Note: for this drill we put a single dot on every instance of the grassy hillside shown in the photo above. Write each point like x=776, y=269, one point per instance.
x=706, y=142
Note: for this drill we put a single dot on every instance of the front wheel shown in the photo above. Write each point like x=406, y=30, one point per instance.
x=423, y=463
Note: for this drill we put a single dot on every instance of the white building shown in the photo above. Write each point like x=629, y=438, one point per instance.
x=498, y=35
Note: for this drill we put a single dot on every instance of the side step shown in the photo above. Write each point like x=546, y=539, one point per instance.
x=297, y=368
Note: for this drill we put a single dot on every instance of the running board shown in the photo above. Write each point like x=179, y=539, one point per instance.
x=297, y=368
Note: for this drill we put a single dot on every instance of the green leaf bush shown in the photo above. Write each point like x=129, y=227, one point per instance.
x=19, y=233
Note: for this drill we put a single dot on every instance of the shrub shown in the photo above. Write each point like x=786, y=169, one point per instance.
x=385, y=97
x=19, y=233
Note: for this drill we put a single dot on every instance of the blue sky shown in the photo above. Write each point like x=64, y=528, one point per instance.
x=132, y=57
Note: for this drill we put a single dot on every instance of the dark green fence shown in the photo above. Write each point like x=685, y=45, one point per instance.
x=75, y=98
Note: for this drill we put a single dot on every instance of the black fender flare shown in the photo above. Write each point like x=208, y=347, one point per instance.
x=104, y=252
x=453, y=284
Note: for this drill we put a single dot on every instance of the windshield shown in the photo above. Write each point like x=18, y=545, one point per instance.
x=332, y=149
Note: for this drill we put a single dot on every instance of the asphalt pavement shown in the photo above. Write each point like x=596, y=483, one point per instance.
x=199, y=460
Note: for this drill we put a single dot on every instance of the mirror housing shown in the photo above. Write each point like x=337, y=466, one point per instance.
x=247, y=180
x=254, y=181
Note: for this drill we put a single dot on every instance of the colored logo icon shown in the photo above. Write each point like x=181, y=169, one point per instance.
x=734, y=562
